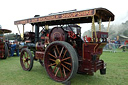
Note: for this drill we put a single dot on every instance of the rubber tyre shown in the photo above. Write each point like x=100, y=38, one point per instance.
x=74, y=61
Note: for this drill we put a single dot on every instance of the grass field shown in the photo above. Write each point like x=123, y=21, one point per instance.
x=11, y=73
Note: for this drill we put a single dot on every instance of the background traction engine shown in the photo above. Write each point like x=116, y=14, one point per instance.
x=4, y=44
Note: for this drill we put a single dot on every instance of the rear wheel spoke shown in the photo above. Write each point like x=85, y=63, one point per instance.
x=65, y=58
x=65, y=67
x=54, y=68
x=57, y=49
x=61, y=73
x=61, y=51
x=55, y=53
x=67, y=63
x=57, y=71
x=64, y=53
x=64, y=72
x=51, y=55
x=52, y=59
x=51, y=64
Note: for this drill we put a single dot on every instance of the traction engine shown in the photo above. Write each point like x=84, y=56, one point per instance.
x=55, y=47
x=3, y=44
x=62, y=50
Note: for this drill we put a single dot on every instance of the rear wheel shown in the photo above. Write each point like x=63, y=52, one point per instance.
x=26, y=59
x=60, y=61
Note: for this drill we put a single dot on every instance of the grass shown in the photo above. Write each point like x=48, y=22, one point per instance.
x=11, y=73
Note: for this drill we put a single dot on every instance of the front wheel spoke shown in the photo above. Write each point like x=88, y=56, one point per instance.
x=24, y=62
x=57, y=71
x=61, y=51
x=28, y=59
x=52, y=55
x=24, y=55
x=51, y=64
x=27, y=55
x=28, y=64
x=65, y=67
x=65, y=58
x=67, y=63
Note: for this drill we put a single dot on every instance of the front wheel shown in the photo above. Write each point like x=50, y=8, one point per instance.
x=61, y=61
x=26, y=59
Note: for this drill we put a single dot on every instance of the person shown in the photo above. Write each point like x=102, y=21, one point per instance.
x=14, y=47
x=17, y=48
x=9, y=48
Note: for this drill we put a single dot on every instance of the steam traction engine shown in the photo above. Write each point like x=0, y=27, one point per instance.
x=61, y=49
x=3, y=44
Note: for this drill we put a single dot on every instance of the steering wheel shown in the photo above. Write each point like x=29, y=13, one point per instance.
x=72, y=35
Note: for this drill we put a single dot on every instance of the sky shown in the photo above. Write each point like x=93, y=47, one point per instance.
x=12, y=10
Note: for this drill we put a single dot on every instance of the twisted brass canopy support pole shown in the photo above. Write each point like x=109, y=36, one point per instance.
x=108, y=24
x=99, y=24
x=32, y=28
x=18, y=30
x=93, y=29
x=23, y=31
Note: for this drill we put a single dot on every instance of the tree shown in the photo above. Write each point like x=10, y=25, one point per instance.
x=114, y=30
x=10, y=36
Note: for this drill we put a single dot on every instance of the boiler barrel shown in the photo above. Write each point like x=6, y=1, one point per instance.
x=31, y=46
